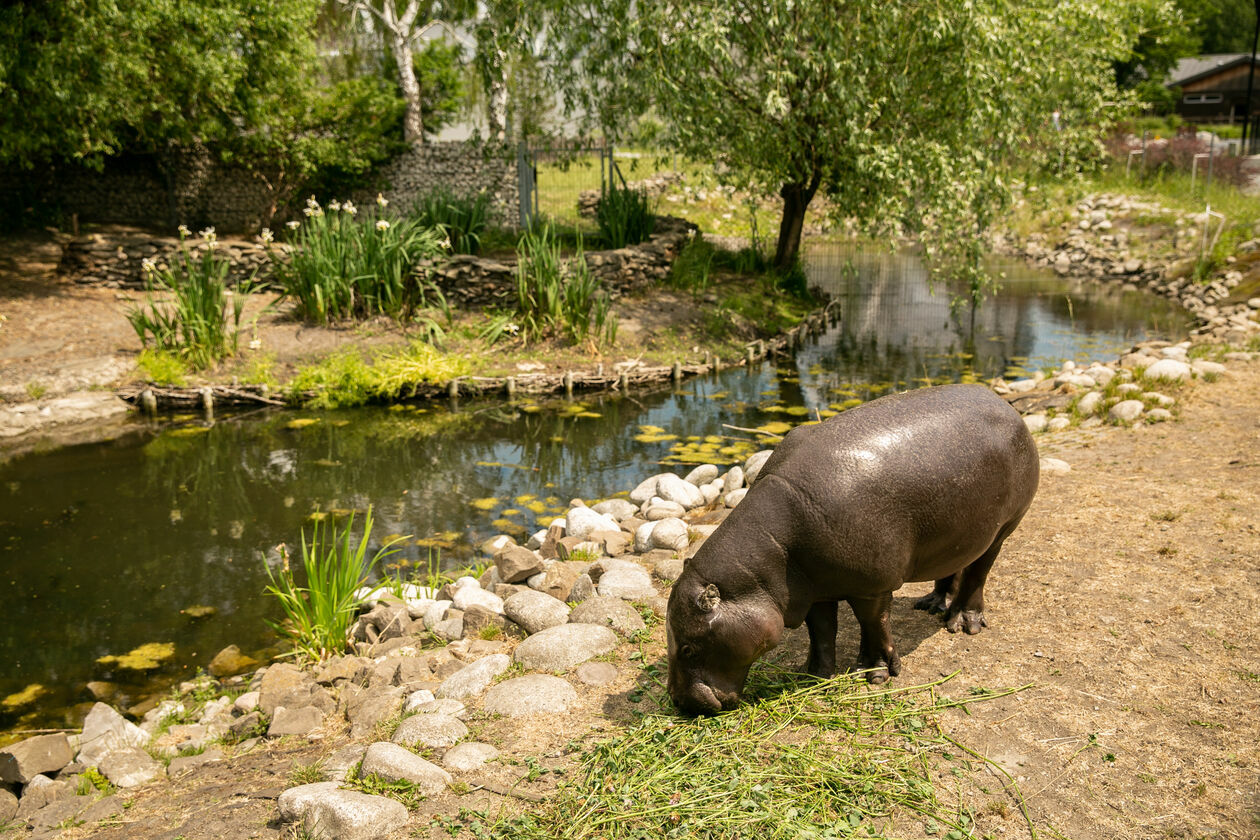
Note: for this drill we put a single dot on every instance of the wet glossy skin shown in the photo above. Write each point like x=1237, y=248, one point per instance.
x=918, y=486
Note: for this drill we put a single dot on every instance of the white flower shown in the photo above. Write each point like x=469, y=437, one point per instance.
x=381, y=200
x=255, y=344
x=266, y=236
x=312, y=204
x=381, y=224
x=334, y=205
x=293, y=225
x=147, y=265
x=511, y=329
x=446, y=243
x=312, y=212
x=184, y=231
x=349, y=207
x=208, y=233
x=211, y=244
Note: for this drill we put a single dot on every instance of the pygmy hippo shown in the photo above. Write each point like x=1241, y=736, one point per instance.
x=918, y=486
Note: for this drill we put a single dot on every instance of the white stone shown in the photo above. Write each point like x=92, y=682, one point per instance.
x=130, y=767
x=532, y=694
x=1054, y=466
x=436, y=614
x=473, y=679
x=671, y=488
x=582, y=521
x=535, y=611
x=1126, y=411
x=1078, y=380
x=396, y=764
x=434, y=730
x=735, y=497
x=467, y=596
x=1203, y=367
x=752, y=467
x=1175, y=352
x=1170, y=370
x=1088, y=404
x=350, y=815
x=246, y=703
x=1035, y=422
x=702, y=474
x=469, y=756
x=643, y=537
x=1158, y=415
x=294, y=802
x=416, y=699
x=1100, y=374
x=618, y=509
x=645, y=490
x=1056, y=424
x=657, y=509
x=628, y=581
x=105, y=730
x=1162, y=400
x=669, y=534
x=561, y=648
x=734, y=479
x=1020, y=386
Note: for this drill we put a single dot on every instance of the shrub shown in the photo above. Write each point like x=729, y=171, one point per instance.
x=553, y=297
x=347, y=265
x=346, y=379
x=690, y=271
x=623, y=216
x=194, y=322
x=461, y=218
x=318, y=615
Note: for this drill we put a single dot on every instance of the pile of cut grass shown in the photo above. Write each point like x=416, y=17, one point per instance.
x=813, y=759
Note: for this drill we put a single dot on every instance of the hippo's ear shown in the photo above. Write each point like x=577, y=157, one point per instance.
x=708, y=600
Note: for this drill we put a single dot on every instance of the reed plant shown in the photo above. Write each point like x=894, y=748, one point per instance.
x=558, y=298
x=691, y=270
x=624, y=216
x=462, y=218
x=198, y=317
x=319, y=614
x=351, y=264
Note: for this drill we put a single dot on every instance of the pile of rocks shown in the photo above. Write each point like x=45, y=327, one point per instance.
x=1122, y=392
x=480, y=282
x=1102, y=240
x=653, y=186
x=570, y=594
x=115, y=258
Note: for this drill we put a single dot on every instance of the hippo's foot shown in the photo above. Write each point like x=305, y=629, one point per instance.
x=968, y=621
x=878, y=669
x=820, y=669
x=934, y=603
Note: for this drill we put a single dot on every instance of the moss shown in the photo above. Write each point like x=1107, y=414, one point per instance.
x=25, y=697
x=144, y=658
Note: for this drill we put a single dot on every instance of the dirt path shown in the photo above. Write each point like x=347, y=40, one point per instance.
x=1127, y=601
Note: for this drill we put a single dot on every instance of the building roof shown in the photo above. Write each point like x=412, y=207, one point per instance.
x=1196, y=67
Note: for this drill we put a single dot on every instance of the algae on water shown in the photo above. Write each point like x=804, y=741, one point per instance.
x=144, y=658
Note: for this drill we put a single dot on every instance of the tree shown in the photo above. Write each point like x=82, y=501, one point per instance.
x=84, y=79
x=901, y=113
x=1221, y=26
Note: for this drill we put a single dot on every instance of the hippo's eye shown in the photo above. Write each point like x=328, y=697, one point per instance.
x=687, y=651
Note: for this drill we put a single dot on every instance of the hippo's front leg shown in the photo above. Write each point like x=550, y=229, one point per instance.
x=821, y=621
x=876, y=655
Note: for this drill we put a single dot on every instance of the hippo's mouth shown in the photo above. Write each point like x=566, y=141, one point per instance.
x=703, y=699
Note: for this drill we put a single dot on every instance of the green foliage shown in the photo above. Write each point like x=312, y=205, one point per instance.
x=352, y=264
x=200, y=320
x=318, y=615
x=558, y=298
x=84, y=79
x=345, y=379
x=441, y=80
x=1220, y=26
x=92, y=781
x=624, y=216
x=461, y=218
x=691, y=269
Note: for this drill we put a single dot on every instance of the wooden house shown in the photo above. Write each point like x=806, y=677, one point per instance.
x=1213, y=88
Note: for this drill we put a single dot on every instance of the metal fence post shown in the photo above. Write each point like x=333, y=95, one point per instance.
x=525, y=185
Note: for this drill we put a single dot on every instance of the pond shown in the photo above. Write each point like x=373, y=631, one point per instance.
x=104, y=545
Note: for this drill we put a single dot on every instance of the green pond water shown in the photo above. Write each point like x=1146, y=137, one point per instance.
x=102, y=546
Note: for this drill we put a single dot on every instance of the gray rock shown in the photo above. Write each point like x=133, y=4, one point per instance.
x=668, y=568
x=643, y=537
x=1158, y=415
x=55, y=813
x=395, y=764
x=617, y=509
x=469, y=756
x=23, y=761
x=1203, y=367
x=752, y=467
x=581, y=521
x=434, y=730
x=338, y=765
x=130, y=767
x=352, y=668
x=473, y=595
x=532, y=694
x=350, y=815
x=658, y=509
x=1057, y=423
x=1054, y=466
x=245, y=724
x=296, y=801
x=444, y=706
x=1126, y=411
x=711, y=491
x=517, y=564
x=1168, y=370
x=734, y=479
x=452, y=629
x=583, y=588
x=608, y=612
x=735, y=497
x=1088, y=404
x=1161, y=400
x=626, y=580
x=535, y=611
x=561, y=648
x=1128, y=388
x=416, y=699
x=294, y=721
x=8, y=805
x=702, y=474
x=105, y=730
x=597, y=673
x=671, y=488
x=435, y=614
x=670, y=534
x=40, y=792
x=1100, y=374
x=284, y=684
x=371, y=708
x=473, y=679
x=182, y=764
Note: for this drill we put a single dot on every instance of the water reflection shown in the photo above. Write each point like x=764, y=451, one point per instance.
x=102, y=545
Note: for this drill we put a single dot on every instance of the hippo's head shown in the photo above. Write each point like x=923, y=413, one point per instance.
x=714, y=637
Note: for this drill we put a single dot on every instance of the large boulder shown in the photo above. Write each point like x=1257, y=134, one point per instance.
x=23, y=761
x=560, y=648
x=399, y=764
x=532, y=694
x=350, y=815
x=105, y=730
x=130, y=767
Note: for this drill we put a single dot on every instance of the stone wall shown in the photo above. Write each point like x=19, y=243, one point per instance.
x=194, y=189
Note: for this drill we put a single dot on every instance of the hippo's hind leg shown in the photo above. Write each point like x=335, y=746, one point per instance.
x=876, y=655
x=937, y=601
x=966, y=610
x=821, y=621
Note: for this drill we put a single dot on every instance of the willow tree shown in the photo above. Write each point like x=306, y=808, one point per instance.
x=901, y=111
